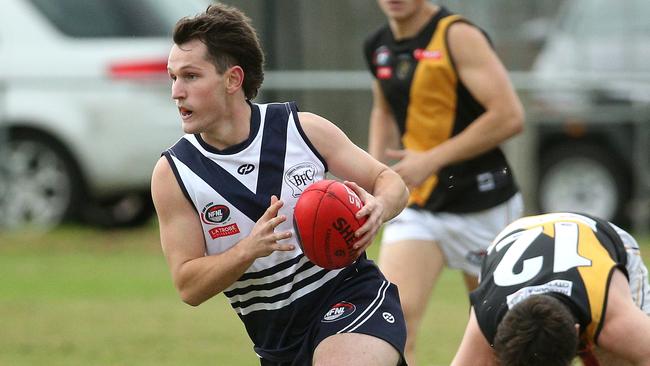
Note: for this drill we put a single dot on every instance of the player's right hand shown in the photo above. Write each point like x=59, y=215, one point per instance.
x=263, y=240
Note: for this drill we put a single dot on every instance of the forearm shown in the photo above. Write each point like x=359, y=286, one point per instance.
x=200, y=279
x=487, y=132
x=382, y=134
x=390, y=189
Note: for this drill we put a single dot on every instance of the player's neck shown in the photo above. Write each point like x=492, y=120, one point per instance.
x=232, y=128
x=411, y=26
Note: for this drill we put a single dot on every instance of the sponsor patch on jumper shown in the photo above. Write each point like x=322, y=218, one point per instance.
x=382, y=56
x=485, y=182
x=227, y=230
x=384, y=72
x=559, y=286
x=420, y=54
x=215, y=214
x=339, y=311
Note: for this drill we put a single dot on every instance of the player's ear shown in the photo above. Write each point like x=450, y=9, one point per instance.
x=577, y=329
x=234, y=78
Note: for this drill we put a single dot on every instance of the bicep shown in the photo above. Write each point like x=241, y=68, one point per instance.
x=181, y=236
x=344, y=158
x=479, y=68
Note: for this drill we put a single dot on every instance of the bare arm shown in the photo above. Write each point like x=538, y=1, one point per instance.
x=383, y=132
x=486, y=78
x=474, y=349
x=198, y=277
x=388, y=194
x=626, y=332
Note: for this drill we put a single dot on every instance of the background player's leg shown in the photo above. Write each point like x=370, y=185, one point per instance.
x=414, y=266
x=471, y=282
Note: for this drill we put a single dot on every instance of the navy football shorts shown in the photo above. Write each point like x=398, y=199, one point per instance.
x=365, y=303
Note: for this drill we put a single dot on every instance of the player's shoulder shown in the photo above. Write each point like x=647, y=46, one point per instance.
x=162, y=171
x=314, y=124
x=378, y=37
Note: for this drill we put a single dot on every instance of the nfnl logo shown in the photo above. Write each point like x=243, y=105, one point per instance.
x=215, y=214
x=339, y=311
x=300, y=176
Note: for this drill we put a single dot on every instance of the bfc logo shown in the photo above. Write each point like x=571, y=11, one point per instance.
x=300, y=176
x=339, y=311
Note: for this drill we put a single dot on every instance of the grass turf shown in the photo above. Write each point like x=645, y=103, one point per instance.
x=79, y=296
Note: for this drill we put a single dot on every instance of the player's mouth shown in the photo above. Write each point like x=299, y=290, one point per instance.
x=185, y=113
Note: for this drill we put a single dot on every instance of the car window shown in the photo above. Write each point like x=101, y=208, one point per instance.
x=116, y=18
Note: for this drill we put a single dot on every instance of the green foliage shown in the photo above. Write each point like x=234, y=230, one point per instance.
x=78, y=296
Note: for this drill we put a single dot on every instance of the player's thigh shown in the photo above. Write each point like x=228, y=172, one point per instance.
x=355, y=349
x=414, y=266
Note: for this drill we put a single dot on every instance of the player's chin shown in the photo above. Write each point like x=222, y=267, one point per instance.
x=191, y=128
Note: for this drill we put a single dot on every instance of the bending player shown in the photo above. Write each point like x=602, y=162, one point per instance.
x=557, y=285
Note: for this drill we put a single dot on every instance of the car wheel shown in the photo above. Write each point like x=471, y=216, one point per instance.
x=38, y=189
x=583, y=178
x=128, y=210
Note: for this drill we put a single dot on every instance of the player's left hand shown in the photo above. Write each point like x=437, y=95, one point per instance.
x=414, y=166
x=373, y=209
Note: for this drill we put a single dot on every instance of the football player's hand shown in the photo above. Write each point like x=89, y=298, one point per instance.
x=263, y=240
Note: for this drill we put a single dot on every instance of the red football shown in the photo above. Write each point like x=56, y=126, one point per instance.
x=325, y=223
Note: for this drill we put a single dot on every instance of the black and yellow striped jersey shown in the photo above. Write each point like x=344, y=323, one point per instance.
x=430, y=104
x=570, y=256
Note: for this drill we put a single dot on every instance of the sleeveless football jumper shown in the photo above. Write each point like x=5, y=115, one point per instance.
x=431, y=105
x=569, y=256
x=281, y=296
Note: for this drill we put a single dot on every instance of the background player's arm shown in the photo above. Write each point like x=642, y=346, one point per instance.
x=474, y=349
x=198, y=277
x=383, y=132
x=388, y=194
x=626, y=332
x=486, y=78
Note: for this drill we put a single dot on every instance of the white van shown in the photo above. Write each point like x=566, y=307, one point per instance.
x=86, y=108
x=592, y=116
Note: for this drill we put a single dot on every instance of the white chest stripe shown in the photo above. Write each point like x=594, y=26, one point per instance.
x=278, y=290
x=282, y=303
x=270, y=278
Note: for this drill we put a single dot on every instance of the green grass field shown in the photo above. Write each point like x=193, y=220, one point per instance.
x=79, y=296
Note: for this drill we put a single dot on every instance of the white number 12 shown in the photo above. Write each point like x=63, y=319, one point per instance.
x=565, y=254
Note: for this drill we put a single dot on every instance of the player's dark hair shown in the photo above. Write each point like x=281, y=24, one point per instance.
x=538, y=331
x=231, y=40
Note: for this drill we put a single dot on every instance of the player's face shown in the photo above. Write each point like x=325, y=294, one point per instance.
x=401, y=10
x=197, y=87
